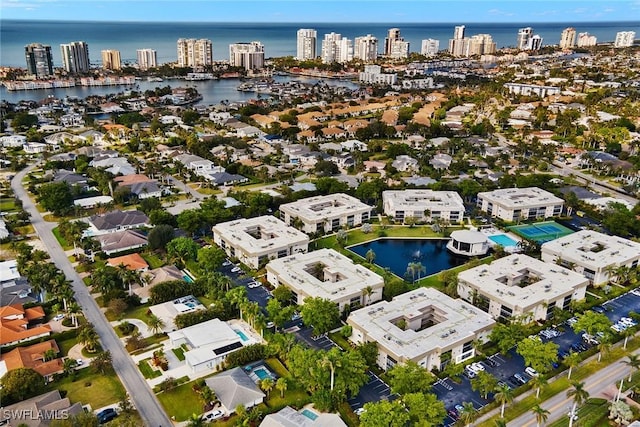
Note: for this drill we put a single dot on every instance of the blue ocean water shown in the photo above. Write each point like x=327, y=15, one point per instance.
x=279, y=39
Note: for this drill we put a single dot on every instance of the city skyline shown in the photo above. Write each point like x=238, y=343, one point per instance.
x=458, y=11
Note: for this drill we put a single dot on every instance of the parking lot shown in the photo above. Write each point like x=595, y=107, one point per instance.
x=373, y=391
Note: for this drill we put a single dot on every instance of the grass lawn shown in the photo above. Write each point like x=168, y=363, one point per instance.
x=139, y=312
x=181, y=402
x=91, y=388
x=179, y=352
x=152, y=259
x=294, y=396
x=339, y=339
x=66, y=345
x=65, y=245
x=594, y=413
x=7, y=205
x=25, y=230
x=147, y=371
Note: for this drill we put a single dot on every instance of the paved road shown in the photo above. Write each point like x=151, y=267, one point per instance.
x=559, y=405
x=141, y=395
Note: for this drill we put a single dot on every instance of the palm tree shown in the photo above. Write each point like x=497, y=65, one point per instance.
x=572, y=360
x=604, y=346
x=49, y=354
x=370, y=256
x=538, y=382
x=633, y=363
x=540, y=413
x=366, y=294
x=500, y=422
x=267, y=385
x=281, y=385
x=468, y=414
x=196, y=421
x=155, y=324
x=579, y=395
x=89, y=337
x=627, y=333
x=331, y=360
x=238, y=297
x=503, y=396
x=415, y=268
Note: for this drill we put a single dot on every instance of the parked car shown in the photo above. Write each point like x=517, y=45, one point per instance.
x=236, y=269
x=521, y=378
x=453, y=414
x=359, y=411
x=531, y=372
x=254, y=284
x=214, y=415
x=79, y=362
x=503, y=384
x=627, y=321
x=58, y=317
x=477, y=367
x=106, y=415
x=598, y=309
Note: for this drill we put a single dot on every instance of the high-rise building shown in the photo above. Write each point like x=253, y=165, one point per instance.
x=430, y=47
x=335, y=48
x=111, y=59
x=568, y=38
x=458, y=44
x=535, y=43
x=249, y=56
x=481, y=44
x=392, y=35
x=147, y=58
x=625, y=39
x=586, y=40
x=307, y=42
x=524, y=35
x=365, y=48
x=194, y=53
x=75, y=57
x=39, y=60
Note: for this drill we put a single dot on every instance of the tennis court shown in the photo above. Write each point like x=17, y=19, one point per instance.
x=541, y=232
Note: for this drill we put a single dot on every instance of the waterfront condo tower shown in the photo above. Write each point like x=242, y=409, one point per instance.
x=524, y=35
x=75, y=57
x=586, y=40
x=111, y=59
x=335, y=48
x=365, y=48
x=195, y=53
x=249, y=56
x=430, y=47
x=307, y=41
x=147, y=58
x=394, y=45
x=39, y=60
x=457, y=45
x=568, y=38
x=624, y=39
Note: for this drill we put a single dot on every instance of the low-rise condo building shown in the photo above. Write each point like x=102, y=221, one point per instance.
x=254, y=241
x=596, y=256
x=325, y=213
x=327, y=274
x=424, y=326
x=513, y=204
x=519, y=285
x=423, y=205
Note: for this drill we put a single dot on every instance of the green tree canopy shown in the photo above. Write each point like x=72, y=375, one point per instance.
x=159, y=236
x=410, y=378
x=183, y=248
x=385, y=414
x=56, y=197
x=320, y=313
x=20, y=384
x=537, y=354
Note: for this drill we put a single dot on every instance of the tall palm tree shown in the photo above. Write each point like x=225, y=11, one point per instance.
x=155, y=324
x=415, y=268
x=74, y=310
x=196, y=421
x=468, y=414
x=89, y=337
x=267, y=385
x=627, y=333
x=633, y=363
x=366, y=294
x=281, y=385
x=604, y=346
x=540, y=413
x=332, y=360
x=571, y=361
x=579, y=396
x=504, y=396
x=538, y=382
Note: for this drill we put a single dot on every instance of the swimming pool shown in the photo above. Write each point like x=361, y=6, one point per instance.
x=503, y=240
x=309, y=414
x=242, y=335
x=187, y=278
x=262, y=373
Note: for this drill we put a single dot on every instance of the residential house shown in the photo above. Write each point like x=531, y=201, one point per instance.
x=113, y=221
x=18, y=324
x=234, y=388
x=51, y=404
x=404, y=163
x=36, y=357
x=133, y=262
x=120, y=241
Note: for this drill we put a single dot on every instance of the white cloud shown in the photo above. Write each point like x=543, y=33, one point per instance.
x=498, y=12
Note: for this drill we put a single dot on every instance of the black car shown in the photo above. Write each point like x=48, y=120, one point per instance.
x=106, y=415
x=598, y=309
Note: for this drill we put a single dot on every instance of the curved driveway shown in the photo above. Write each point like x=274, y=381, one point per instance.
x=141, y=395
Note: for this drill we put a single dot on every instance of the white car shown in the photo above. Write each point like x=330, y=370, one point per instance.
x=531, y=372
x=477, y=367
x=58, y=317
x=79, y=362
x=236, y=270
x=214, y=415
x=359, y=411
x=254, y=284
x=627, y=321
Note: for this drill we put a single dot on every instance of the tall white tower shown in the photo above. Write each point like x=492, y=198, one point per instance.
x=307, y=41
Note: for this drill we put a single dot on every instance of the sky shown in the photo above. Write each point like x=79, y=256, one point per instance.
x=300, y=11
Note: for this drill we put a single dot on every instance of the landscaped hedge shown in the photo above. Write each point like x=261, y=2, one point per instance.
x=248, y=354
x=199, y=316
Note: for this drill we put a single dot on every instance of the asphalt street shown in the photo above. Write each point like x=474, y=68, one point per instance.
x=141, y=395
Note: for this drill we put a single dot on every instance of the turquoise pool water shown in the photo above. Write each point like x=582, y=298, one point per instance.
x=503, y=240
x=187, y=278
x=262, y=373
x=242, y=335
x=309, y=414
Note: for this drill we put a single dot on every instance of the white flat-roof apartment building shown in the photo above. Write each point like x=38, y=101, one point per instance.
x=521, y=285
x=423, y=205
x=592, y=254
x=254, y=241
x=424, y=326
x=326, y=213
x=327, y=274
x=512, y=204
